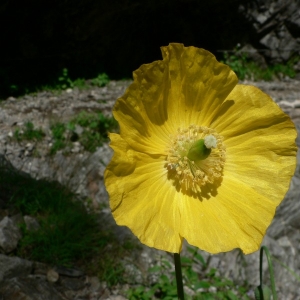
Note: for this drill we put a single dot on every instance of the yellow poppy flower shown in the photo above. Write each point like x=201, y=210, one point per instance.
x=198, y=157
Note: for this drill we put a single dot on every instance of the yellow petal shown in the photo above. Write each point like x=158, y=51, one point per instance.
x=260, y=142
x=198, y=84
x=142, y=198
x=185, y=88
x=237, y=217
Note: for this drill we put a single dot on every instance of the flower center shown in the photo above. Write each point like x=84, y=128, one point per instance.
x=196, y=156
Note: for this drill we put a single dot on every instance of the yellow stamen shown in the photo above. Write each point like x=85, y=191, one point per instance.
x=197, y=155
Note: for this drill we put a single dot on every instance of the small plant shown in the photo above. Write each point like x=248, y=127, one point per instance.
x=238, y=63
x=58, y=131
x=95, y=129
x=101, y=80
x=244, y=68
x=29, y=133
x=64, y=80
x=80, y=83
x=94, y=126
x=13, y=88
x=203, y=286
x=56, y=86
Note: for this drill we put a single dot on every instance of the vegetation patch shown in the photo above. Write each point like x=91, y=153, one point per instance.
x=67, y=235
x=245, y=68
x=101, y=80
x=62, y=82
x=95, y=128
x=28, y=132
x=202, y=285
x=89, y=129
x=59, y=140
x=66, y=231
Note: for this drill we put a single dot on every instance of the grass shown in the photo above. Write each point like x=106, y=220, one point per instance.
x=247, y=69
x=67, y=235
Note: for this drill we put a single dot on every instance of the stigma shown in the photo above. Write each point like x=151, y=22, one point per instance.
x=196, y=156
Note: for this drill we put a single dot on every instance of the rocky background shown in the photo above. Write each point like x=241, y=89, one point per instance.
x=40, y=38
x=83, y=173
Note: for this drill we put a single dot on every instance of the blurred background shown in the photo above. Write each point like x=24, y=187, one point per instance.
x=40, y=38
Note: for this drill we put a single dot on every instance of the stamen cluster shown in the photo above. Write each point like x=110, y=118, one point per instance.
x=192, y=175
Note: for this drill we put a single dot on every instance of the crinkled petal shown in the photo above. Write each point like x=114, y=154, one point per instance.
x=260, y=142
x=199, y=84
x=185, y=88
x=142, y=198
x=237, y=217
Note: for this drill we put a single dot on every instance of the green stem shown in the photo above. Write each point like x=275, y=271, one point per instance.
x=178, y=276
x=268, y=255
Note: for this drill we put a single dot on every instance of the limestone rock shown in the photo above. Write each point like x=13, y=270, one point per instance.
x=31, y=223
x=276, y=26
x=29, y=288
x=9, y=235
x=11, y=267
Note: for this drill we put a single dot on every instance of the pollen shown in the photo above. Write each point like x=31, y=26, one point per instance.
x=190, y=171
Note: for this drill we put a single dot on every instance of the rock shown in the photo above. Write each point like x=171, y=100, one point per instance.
x=280, y=43
x=11, y=267
x=9, y=235
x=94, y=283
x=52, y=276
x=73, y=284
x=16, y=218
x=30, y=288
x=31, y=223
x=252, y=54
x=276, y=27
x=132, y=274
x=116, y=297
x=68, y=272
x=40, y=268
x=287, y=217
